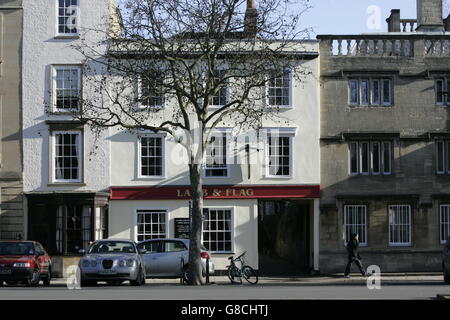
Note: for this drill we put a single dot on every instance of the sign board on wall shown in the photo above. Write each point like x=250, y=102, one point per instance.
x=182, y=228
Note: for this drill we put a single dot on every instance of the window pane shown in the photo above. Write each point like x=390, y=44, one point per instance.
x=216, y=156
x=387, y=158
x=151, y=156
x=439, y=91
x=355, y=222
x=440, y=156
x=354, y=157
x=67, y=166
x=387, y=92
x=376, y=157
x=365, y=157
x=151, y=224
x=68, y=17
x=218, y=235
x=376, y=92
x=279, y=155
x=365, y=92
x=353, y=88
x=278, y=88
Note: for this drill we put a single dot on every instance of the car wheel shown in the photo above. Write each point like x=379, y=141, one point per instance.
x=185, y=274
x=1, y=283
x=11, y=282
x=48, y=278
x=447, y=277
x=34, y=280
x=140, y=279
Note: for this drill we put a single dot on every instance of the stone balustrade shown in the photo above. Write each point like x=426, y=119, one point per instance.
x=408, y=25
x=386, y=45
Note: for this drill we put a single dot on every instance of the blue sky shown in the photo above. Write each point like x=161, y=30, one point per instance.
x=350, y=16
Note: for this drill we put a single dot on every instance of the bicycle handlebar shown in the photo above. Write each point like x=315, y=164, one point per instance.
x=242, y=254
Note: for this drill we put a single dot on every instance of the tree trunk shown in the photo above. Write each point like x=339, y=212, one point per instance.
x=195, y=264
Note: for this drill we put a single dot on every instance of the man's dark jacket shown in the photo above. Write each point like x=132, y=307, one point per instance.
x=352, y=249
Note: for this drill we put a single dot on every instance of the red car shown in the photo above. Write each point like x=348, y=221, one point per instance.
x=24, y=261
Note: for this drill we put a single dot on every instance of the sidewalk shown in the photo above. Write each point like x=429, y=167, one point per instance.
x=333, y=279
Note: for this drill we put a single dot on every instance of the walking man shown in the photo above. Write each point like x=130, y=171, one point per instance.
x=353, y=255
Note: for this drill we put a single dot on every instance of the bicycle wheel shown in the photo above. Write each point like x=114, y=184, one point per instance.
x=233, y=274
x=250, y=274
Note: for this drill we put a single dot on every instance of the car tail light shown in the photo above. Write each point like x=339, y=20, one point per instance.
x=204, y=255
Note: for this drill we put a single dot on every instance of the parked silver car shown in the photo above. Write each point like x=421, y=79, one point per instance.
x=112, y=261
x=446, y=262
x=169, y=258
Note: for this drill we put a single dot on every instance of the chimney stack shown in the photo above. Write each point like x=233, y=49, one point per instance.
x=429, y=16
x=251, y=19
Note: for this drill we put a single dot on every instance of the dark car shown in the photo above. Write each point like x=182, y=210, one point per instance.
x=24, y=261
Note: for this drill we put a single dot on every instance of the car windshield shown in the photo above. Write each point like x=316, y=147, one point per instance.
x=112, y=247
x=16, y=248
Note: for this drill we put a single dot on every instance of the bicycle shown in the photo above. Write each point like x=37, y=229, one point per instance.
x=246, y=272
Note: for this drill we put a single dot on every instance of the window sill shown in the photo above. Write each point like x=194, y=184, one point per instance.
x=64, y=37
x=367, y=106
x=66, y=184
x=152, y=178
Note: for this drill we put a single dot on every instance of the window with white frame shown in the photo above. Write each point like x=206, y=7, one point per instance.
x=68, y=17
x=442, y=156
x=399, y=225
x=220, y=98
x=67, y=156
x=66, y=88
x=355, y=221
x=218, y=230
x=151, y=224
x=151, y=91
x=216, y=155
x=444, y=223
x=279, y=155
x=370, y=91
x=151, y=156
x=370, y=157
x=279, y=88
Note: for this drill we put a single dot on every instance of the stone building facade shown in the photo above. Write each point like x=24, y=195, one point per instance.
x=11, y=183
x=385, y=143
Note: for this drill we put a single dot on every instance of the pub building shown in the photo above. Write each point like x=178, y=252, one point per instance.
x=80, y=187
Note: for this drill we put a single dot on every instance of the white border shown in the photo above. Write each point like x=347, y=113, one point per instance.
x=291, y=96
x=68, y=35
x=281, y=132
x=134, y=223
x=233, y=224
x=363, y=244
x=54, y=69
x=163, y=154
x=400, y=244
x=80, y=157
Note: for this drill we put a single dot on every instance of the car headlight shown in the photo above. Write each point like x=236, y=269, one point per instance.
x=85, y=263
x=130, y=263
x=21, y=265
x=121, y=263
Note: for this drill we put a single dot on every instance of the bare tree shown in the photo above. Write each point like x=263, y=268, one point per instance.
x=185, y=67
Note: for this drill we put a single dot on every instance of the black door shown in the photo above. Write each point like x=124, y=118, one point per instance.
x=284, y=237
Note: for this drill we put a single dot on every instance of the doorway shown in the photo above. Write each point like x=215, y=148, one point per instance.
x=284, y=237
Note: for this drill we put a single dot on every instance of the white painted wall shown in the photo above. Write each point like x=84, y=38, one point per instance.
x=304, y=116
x=40, y=51
x=122, y=216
